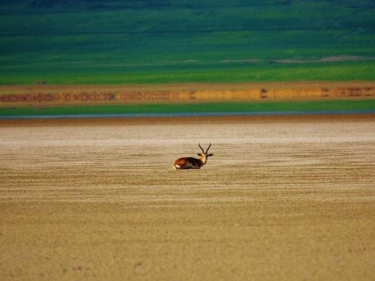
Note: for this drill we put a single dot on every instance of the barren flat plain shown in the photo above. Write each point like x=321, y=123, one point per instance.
x=283, y=198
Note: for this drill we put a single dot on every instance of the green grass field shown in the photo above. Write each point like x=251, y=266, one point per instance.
x=256, y=108
x=150, y=41
x=156, y=42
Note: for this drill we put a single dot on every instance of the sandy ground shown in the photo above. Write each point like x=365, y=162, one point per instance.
x=282, y=199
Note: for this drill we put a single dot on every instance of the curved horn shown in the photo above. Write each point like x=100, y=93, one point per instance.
x=201, y=147
x=208, y=148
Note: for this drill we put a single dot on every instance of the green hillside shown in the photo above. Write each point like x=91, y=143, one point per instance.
x=153, y=41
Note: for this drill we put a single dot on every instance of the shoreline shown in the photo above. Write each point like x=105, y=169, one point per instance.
x=187, y=93
x=185, y=119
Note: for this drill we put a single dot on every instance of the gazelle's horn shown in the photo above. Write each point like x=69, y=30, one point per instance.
x=208, y=148
x=201, y=147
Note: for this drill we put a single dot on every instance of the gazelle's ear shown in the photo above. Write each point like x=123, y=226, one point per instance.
x=210, y=154
x=199, y=154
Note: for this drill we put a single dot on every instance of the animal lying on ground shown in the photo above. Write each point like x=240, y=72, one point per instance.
x=191, y=162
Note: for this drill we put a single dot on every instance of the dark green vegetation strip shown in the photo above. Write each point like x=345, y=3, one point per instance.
x=151, y=41
x=181, y=109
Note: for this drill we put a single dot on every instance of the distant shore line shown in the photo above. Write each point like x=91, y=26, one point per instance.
x=97, y=95
x=203, y=114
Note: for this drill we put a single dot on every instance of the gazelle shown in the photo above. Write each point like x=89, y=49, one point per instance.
x=191, y=162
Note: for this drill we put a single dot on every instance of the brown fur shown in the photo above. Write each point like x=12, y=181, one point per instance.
x=191, y=162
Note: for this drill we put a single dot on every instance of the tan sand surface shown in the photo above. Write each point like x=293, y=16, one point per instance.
x=288, y=198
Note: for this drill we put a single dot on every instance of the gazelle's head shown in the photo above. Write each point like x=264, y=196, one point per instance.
x=204, y=155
